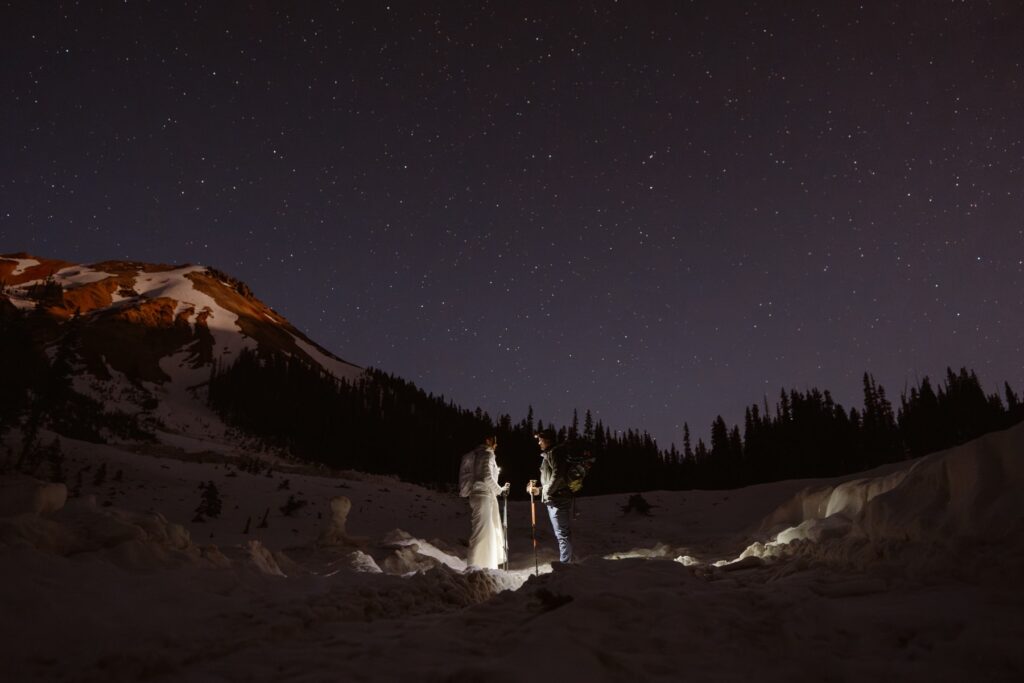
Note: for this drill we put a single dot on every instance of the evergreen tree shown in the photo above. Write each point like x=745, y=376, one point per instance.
x=293, y=505
x=23, y=365
x=209, y=502
x=1012, y=400
x=55, y=459
x=701, y=454
x=101, y=475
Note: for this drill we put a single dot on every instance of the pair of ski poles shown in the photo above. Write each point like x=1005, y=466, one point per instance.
x=533, y=527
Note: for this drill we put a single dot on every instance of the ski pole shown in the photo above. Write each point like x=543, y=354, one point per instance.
x=504, y=527
x=533, y=526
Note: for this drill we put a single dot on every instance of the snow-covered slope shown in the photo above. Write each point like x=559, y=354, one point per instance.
x=958, y=509
x=150, y=334
x=912, y=574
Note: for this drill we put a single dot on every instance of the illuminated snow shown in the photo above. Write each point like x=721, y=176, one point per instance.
x=911, y=572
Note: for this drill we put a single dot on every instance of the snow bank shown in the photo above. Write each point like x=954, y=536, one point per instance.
x=264, y=560
x=931, y=512
x=358, y=561
x=416, y=555
x=36, y=517
x=21, y=494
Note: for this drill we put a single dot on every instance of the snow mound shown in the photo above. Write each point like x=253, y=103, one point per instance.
x=413, y=555
x=940, y=506
x=263, y=559
x=336, y=533
x=439, y=590
x=129, y=539
x=358, y=561
x=20, y=494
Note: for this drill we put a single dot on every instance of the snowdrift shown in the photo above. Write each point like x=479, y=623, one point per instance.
x=131, y=540
x=956, y=508
x=37, y=518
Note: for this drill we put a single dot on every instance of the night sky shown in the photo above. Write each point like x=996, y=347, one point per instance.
x=661, y=211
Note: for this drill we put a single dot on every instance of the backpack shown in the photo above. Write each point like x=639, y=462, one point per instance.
x=467, y=467
x=579, y=458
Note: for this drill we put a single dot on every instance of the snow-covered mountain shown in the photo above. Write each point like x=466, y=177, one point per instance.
x=148, y=335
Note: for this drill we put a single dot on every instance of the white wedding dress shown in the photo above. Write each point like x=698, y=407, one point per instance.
x=478, y=481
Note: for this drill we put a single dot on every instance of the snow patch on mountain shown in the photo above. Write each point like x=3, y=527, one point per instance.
x=21, y=302
x=73, y=276
x=174, y=284
x=22, y=264
x=182, y=401
x=68, y=277
x=339, y=369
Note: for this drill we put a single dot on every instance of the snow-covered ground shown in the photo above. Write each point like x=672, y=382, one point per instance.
x=912, y=572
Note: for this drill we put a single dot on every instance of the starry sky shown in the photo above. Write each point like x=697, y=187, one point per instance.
x=661, y=211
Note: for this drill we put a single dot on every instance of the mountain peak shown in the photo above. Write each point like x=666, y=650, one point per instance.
x=157, y=327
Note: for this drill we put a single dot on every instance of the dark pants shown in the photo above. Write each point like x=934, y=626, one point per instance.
x=560, y=512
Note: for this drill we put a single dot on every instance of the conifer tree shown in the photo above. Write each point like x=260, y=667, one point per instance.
x=101, y=475
x=209, y=502
x=700, y=453
x=292, y=505
x=55, y=458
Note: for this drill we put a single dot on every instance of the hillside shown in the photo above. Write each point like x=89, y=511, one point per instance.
x=147, y=336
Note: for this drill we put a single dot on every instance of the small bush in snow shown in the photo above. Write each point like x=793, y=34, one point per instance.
x=293, y=505
x=637, y=503
x=209, y=502
x=101, y=475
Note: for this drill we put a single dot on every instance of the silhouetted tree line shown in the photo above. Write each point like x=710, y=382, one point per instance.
x=808, y=434
x=384, y=424
x=381, y=423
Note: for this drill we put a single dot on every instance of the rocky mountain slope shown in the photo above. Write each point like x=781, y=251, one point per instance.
x=146, y=336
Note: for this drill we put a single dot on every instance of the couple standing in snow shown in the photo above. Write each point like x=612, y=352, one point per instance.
x=478, y=481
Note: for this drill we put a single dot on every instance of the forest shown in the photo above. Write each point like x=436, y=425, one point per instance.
x=382, y=423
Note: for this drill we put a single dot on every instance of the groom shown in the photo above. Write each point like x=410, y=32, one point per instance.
x=554, y=491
